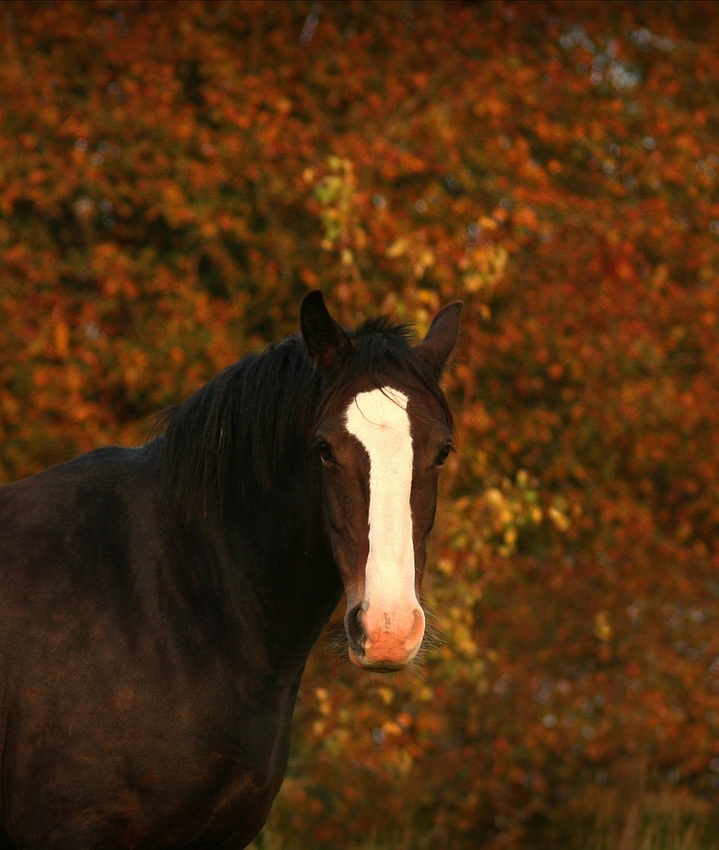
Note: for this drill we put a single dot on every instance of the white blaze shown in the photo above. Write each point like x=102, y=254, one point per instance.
x=379, y=420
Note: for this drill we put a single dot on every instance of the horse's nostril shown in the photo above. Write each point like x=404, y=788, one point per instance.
x=355, y=629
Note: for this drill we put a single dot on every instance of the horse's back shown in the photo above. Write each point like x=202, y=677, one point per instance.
x=68, y=537
x=54, y=518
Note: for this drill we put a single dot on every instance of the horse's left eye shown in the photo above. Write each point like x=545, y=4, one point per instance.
x=443, y=454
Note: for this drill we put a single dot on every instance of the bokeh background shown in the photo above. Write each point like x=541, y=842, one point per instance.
x=175, y=176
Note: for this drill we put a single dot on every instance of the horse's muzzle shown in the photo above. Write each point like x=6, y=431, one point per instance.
x=383, y=640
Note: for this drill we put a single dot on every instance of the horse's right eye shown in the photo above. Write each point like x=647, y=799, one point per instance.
x=324, y=449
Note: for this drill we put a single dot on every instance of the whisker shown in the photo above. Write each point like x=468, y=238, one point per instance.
x=434, y=634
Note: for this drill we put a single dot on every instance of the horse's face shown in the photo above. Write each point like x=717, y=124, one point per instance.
x=381, y=452
x=380, y=449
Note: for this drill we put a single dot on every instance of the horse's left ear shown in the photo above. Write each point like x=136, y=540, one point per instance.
x=441, y=338
x=326, y=342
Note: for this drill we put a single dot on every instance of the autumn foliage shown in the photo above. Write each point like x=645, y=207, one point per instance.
x=175, y=176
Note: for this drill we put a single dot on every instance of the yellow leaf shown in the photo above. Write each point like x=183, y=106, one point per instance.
x=398, y=248
x=387, y=695
x=602, y=626
x=559, y=520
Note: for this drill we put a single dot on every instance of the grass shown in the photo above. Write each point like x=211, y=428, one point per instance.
x=603, y=819
x=667, y=821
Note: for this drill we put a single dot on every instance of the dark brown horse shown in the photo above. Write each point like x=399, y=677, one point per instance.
x=158, y=605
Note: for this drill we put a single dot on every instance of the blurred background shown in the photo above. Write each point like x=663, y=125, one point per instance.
x=175, y=176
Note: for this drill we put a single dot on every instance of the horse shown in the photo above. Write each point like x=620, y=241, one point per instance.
x=159, y=604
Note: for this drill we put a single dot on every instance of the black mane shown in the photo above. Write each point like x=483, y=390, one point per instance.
x=235, y=437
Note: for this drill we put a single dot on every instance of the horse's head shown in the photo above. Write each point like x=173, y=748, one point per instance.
x=382, y=435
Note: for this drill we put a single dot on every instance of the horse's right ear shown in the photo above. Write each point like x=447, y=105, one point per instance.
x=326, y=342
